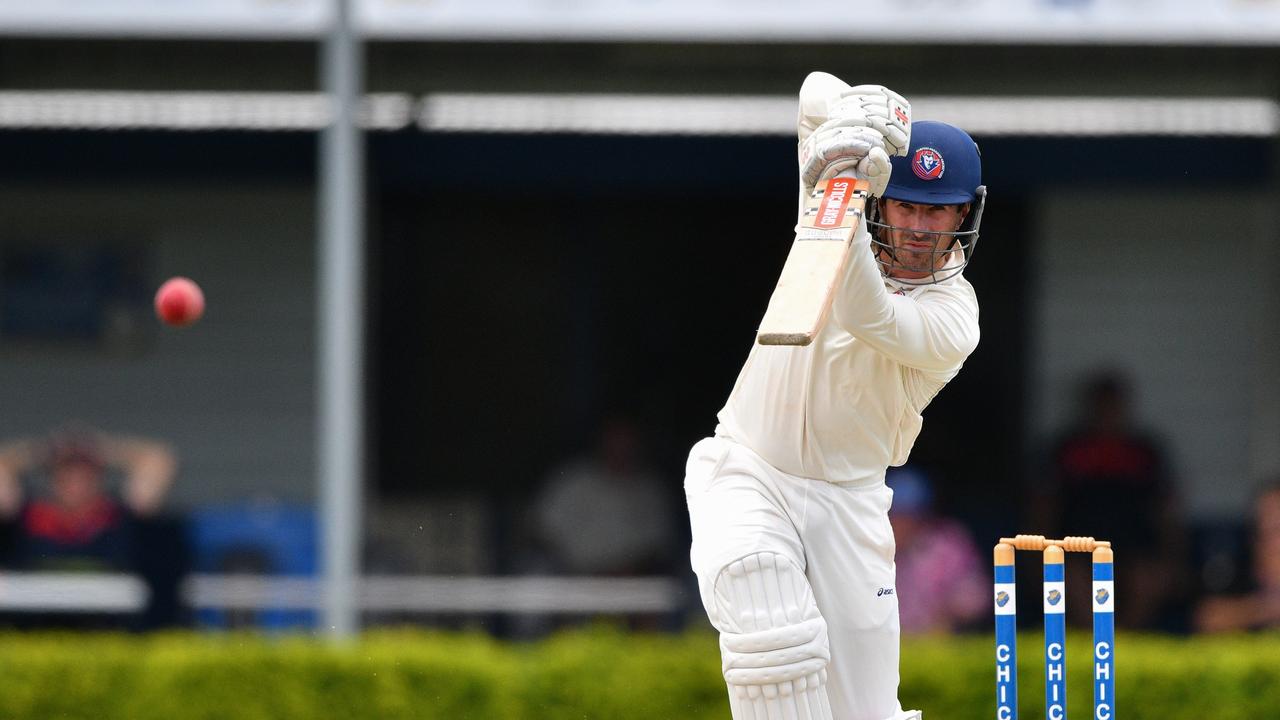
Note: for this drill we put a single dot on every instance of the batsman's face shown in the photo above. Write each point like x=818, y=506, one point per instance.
x=918, y=248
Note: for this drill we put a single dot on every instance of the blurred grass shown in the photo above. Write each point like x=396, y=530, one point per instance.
x=600, y=672
x=1157, y=677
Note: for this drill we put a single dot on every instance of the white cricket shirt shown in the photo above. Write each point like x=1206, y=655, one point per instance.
x=849, y=404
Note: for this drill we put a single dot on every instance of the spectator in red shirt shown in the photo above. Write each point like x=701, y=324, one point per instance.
x=78, y=523
x=1111, y=480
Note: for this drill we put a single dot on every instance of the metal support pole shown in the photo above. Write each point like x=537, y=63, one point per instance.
x=340, y=433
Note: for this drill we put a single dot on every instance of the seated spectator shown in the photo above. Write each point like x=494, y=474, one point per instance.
x=1111, y=480
x=942, y=583
x=606, y=513
x=78, y=523
x=1259, y=608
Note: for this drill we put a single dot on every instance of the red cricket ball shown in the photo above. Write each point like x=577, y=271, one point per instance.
x=179, y=302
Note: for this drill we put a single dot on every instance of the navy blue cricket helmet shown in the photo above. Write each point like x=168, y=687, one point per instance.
x=941, y=167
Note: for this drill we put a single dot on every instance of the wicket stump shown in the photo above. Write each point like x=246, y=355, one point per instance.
x=1055, y=603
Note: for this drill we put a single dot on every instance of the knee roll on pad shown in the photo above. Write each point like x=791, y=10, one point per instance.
x=774, y=656
x=771, y=633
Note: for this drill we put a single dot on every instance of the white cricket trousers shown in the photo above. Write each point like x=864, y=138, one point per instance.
x=838, y=534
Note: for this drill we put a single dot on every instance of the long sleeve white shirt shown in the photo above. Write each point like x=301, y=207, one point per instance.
x=849, y=404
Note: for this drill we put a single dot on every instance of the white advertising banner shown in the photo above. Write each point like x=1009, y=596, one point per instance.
x=270, y=19
x=1191, y=22
x=908, y=21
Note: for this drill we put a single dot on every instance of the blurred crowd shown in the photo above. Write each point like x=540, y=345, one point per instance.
x=606, y=512
x=1107, y=477
x=80, y=499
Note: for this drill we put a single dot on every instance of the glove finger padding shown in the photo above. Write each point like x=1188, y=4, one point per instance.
x=879, y=108
x=832, y=150
x=875, y=169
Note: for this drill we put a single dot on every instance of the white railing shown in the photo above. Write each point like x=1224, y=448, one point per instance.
x=120, y=593
x=623, y=114
x=1018, y=22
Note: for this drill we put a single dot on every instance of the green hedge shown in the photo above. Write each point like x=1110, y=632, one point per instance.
x=598, y=673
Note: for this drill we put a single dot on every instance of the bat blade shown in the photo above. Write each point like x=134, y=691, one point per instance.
x=802, y=298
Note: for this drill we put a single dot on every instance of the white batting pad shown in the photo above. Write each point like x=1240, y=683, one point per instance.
x=773, y=640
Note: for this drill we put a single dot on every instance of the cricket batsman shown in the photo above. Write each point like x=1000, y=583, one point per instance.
x=788, y=504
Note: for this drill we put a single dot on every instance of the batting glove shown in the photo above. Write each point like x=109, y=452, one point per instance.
x=878, y=108
x=857, y=151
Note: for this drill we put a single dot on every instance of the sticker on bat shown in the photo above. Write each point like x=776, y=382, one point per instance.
x=835, y=202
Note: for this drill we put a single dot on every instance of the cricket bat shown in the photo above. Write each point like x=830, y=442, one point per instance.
x=802, y=299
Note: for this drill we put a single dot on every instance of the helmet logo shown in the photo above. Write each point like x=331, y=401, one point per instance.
x=927, y=164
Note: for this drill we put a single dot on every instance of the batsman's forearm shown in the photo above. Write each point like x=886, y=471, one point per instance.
x=935, y=333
